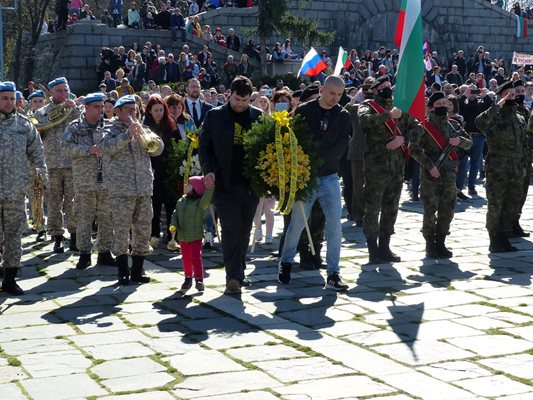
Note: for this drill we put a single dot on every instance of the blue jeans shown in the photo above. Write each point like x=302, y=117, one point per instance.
x=174, y=30
x=208, y=222
x=328, y=194
x=475, y=158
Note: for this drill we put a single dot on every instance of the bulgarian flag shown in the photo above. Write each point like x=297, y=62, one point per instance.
x=342, y=61
x=410, y=86
x=521, y=27
x=399, y=27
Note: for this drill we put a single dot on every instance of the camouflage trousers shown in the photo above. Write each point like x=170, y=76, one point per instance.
x=59, y=198
x=382, y=196
x=133, y=212
x=89, y=205
x=438, y=198
x=504, y=195
x=12, y=223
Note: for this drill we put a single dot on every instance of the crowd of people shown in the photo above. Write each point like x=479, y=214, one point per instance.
x=107, y=154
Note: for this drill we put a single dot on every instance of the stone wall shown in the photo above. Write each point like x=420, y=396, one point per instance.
x=362, y=24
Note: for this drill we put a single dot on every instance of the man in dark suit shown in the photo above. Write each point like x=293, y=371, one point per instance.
x=194, y=106
x=222, y=157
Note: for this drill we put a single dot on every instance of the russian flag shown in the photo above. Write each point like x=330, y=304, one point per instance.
x=312, y=64
x=425, y=47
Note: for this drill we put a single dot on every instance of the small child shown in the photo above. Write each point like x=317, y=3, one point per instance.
x=188, y=223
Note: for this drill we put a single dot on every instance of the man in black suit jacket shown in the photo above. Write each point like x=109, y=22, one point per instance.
x=195, y=107
x=222, y=157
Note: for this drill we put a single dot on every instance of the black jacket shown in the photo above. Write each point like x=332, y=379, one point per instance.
x=334, y=141
x=216, y=144
x=471, y=109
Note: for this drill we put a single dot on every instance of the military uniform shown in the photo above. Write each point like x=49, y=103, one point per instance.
x=60, y=194
x=383, y=171
x=438, y=194
x=505, y=130
x=91, y=197
x=21, y=151
x=129, y=181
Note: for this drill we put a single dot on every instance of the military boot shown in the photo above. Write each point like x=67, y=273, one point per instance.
x=373, y=253
x=84, y=261
x=137, y=271
x=58, y=244
x=431, y=249
x=106, y=259
x=441, y=248
x=317, y=258
x=8, y=283
x=496, y=245
x=505, y=243
x=72, y=243
x=518, y=231
x=306, y=258
x=123, y=269
x=385, y=251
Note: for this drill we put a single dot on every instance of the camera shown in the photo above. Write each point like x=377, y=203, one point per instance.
x=267, y=92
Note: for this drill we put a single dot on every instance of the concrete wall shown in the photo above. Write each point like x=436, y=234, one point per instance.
x=362, y=24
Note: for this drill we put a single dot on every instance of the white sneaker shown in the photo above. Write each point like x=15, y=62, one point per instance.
x=208, y=240
x=154, y=242
x=258, y=235
x=268, y=239
x=173, y=245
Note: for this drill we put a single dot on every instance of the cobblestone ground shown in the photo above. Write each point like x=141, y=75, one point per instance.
x=449, y=329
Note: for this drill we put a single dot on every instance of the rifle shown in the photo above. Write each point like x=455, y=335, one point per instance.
x=443, y=155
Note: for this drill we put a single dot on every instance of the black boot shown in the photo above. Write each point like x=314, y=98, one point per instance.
x=306, y=258
x=505, y=243
x=518, y=231
x=58, y=244
x=8, y=283
x=384, y=250
x=84, y=261
x=496, y=246
x=373, y=253
x=317, y=258
x=441, y=248
x=137, y=272
x=431, y=249
x=123, y=269
x=72, y=242
x=41, y=237
x=106, y=259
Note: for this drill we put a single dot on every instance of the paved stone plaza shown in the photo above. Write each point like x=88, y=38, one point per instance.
x=420, y=329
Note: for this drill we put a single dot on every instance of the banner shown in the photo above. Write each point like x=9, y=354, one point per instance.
x=522, y=59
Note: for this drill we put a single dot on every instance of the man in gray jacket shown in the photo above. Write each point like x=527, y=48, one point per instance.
x=129, y=181
x=21, y=153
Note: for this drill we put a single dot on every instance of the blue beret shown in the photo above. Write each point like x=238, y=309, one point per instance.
x=37, y=93
x=92, y=97
x=57, y=81
x=7, y=86
x=18, y=95
x=129, y=99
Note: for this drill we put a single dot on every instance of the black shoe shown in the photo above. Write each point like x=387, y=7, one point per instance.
x=462, y=196
x=384, y=250
x=506, y=244
x=9, y=285
x=414, y=197
x=307, y=261
x=431, y=250
x=106, y=259
x=123, y=269
x=335, y=282
x=246, y=282
x=284, y=273
x=199, y=285
x=186, y=285
x=373, y=253
x=496, y=245
x=472, y=191
x=359, y=223
x=58, y=244
x=441, y=248
x=518, y=231
x=84, y=262
x=72, y=242
x=137, y=271
x=41, y=237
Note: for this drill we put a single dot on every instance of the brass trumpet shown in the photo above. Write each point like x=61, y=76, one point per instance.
x=148, y=140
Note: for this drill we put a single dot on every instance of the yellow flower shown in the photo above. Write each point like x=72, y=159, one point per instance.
x=281, y=117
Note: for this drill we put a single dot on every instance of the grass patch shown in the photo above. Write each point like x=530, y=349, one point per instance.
x=13, y=361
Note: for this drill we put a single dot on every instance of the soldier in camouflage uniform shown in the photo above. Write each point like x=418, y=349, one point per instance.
x=438, y=191
x=513, y=228
x=21, y=152
x=384, y=166
x=80, y=143
x=129, y=181
x=505, y=130
x=60, y=194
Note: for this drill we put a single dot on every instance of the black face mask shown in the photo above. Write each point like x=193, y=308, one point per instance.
x=385, y=93
x=519, y=99
x=441, y=111
x=510, y=103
